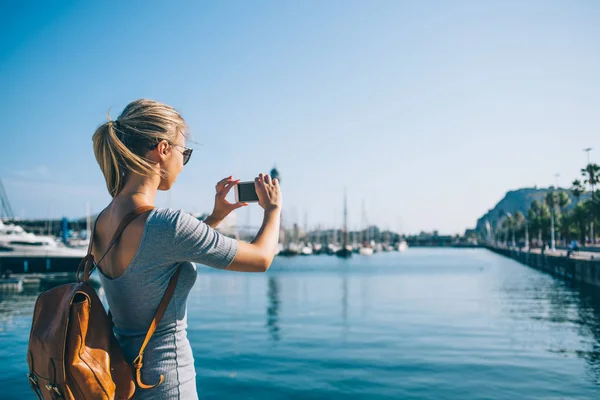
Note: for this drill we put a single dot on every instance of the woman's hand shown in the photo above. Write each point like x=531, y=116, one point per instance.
x=269, y=194
x=257, y=256
x=222, y=206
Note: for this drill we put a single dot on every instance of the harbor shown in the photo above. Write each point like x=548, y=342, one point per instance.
x=392, y=325
x=300, y=200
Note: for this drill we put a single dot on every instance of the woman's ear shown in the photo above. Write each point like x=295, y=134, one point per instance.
x=163, y=149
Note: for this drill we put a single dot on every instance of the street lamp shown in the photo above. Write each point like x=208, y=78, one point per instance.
x=592, y=221
x=588, y=155
x=552, y=241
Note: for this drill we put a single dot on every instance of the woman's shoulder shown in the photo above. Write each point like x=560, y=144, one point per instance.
x=162, y=214
x=174, y=218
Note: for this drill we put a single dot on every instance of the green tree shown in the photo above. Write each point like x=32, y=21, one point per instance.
x=539, y=219
x=552, y=202
x=592, y=176
x=562, y=202
x=508, y=226
x=533, y=217
x=579, y=218
x=577, y=189
x=519, y=224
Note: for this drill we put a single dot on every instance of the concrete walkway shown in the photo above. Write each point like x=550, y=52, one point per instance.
x=578, y=255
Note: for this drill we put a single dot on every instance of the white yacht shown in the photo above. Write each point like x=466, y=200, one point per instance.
x=365, y=251
x=15, y=239
x=402, y=246
x=306, y=250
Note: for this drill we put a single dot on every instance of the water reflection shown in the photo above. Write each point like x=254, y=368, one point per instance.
x=16, y=305
x=274, y=303
x=589, y=320
x=344, y=305
x=560, y=306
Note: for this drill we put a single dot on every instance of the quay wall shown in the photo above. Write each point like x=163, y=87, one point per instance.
x=26, y=264
x=584, y=272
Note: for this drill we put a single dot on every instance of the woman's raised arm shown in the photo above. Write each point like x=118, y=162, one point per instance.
x=258, y=255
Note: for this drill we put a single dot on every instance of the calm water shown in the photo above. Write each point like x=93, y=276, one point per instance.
x=426, y=324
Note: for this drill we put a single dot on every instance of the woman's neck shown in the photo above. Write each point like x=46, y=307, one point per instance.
x=140, y=190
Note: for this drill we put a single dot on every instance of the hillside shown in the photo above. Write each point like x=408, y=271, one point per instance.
x=513, y=201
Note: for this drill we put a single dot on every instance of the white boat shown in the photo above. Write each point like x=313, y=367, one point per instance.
x=332, y=248
x=306, y=251
x=78, y=243
x=388, y=247
x=365, y=251
x=15, y=239
x=402, y=246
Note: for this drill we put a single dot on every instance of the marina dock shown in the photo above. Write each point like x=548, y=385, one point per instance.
x=18, y=262
x=581, y=268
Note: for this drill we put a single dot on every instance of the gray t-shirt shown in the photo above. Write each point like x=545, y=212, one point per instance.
x=171, y=238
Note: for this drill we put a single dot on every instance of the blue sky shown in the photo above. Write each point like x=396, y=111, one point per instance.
x=428, y=112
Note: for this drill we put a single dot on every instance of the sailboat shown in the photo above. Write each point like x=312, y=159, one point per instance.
x=346, y=250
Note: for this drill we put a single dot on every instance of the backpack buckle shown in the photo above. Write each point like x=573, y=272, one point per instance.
x=54, y=392
x=34, y=385
x=32, y=380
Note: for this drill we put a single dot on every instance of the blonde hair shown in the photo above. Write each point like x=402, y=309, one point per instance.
x=120, y=145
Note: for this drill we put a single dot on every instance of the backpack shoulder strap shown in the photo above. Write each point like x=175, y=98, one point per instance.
x=88, y=262
x=164, y=302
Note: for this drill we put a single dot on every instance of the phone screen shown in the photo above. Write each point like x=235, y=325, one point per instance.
x=246, y=191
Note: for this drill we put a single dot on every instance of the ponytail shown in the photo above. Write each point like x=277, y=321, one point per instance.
x=120, y=145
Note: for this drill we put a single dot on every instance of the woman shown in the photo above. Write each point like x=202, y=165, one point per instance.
x=139, y=153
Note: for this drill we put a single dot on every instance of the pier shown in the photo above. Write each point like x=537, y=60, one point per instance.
x=35, y=283
x=581, y=268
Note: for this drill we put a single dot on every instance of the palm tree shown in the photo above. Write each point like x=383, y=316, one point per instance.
x=539, y=218
x=552, y=201
x=577, y=189
x=508, y=227
x=533, y=215
x=563, y=201
x=592, y=175
x=519, y=221
x=579, y=217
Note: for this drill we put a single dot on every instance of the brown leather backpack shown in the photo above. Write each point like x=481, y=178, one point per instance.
x=73, y=352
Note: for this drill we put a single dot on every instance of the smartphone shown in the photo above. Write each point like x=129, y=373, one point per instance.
x=246, y=192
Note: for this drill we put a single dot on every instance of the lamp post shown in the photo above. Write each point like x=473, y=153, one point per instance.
x=588, y=150
x=552, y=238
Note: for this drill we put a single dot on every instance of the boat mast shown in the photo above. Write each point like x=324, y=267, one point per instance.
x=345, y=242
x=5, y=208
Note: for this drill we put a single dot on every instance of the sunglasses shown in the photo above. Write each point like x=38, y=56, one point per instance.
x=187, y=152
